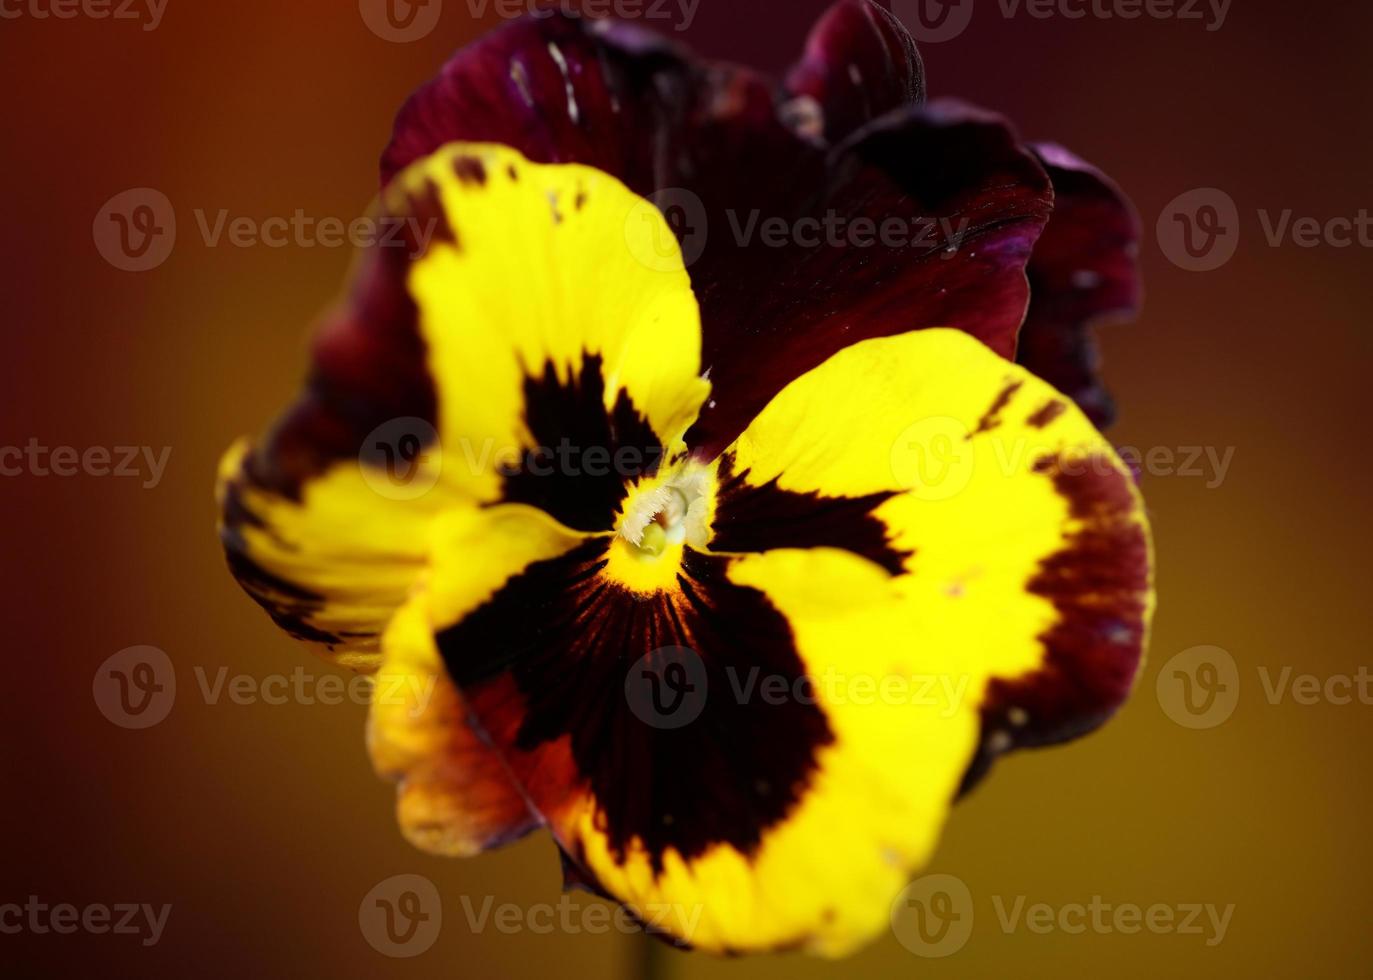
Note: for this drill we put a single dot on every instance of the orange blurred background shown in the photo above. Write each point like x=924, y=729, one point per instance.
x=262, y=826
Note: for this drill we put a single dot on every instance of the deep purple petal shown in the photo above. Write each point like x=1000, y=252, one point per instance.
x=1084, y=271
x=707, y=143
x=860, y=63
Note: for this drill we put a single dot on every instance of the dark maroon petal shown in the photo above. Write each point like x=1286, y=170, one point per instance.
x=610, y=95
x=968, y=201
x=972, y=203
x=1084, y=271
x=860, y=63
x=368, y=362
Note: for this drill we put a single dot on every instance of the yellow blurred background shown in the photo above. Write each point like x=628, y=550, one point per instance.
x=262, y=825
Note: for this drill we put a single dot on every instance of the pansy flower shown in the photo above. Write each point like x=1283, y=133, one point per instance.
x=731, y=560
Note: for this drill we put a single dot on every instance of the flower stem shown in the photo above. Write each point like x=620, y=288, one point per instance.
x=650, y=959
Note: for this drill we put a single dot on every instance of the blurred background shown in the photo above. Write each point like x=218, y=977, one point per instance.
x=261, y=826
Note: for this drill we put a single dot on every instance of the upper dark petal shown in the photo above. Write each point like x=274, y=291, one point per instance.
x=1084, y=270
x=706, y=141
x=562, y=89
x=860, y=62
x=971, y=203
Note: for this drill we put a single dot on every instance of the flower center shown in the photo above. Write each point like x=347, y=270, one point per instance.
x=663, y=514
x=668, y=526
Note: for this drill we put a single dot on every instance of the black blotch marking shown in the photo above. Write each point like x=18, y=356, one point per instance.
x=582, y=458
x=760, y=518
x=567, y=636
